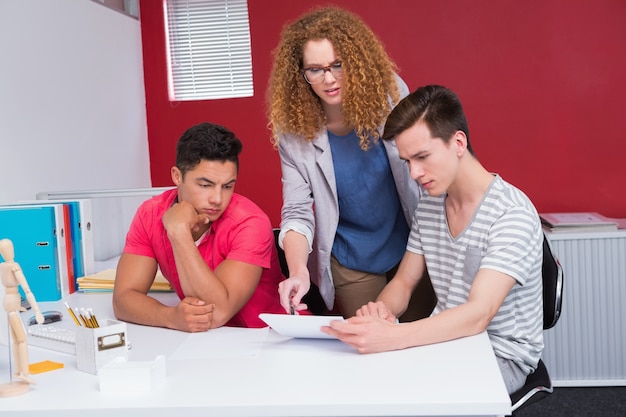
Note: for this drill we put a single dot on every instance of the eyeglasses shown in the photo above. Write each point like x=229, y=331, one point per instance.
x=316, y=75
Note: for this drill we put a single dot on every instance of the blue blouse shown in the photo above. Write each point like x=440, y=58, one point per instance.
x=372, y=231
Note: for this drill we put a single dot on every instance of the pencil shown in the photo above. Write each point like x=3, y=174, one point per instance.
x=85, y=314
x=72, y=314
x=92, y=317
x=82, y=318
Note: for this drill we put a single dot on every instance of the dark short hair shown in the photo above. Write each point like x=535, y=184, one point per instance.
x=206, y=141
x=437, y=106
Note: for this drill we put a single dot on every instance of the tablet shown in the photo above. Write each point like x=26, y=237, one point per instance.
x=299, y=326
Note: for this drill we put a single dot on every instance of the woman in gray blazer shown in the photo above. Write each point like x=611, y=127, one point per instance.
x=347, y=197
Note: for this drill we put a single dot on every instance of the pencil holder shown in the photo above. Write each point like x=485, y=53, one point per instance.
x=95, y=347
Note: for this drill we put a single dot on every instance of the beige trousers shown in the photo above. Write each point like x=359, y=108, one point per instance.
x=353, y=289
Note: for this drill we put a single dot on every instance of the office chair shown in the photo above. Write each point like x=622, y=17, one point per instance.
x=313, y=298
x=538, y=384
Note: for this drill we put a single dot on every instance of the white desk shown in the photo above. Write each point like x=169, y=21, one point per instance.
x=289, y=377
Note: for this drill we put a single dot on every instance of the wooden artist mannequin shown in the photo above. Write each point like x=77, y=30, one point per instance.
x=13, y=278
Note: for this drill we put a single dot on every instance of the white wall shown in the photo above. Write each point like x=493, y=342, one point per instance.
x=72, y=101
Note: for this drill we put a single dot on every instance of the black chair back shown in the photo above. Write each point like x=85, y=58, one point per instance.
x=552, y=274
x=281, y=255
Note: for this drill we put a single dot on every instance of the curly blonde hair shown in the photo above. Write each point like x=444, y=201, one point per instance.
x=368, y=72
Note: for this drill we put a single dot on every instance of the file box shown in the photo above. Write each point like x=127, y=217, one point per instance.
x=95, y=347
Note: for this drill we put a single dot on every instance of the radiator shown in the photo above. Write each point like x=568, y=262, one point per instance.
x=587, y=347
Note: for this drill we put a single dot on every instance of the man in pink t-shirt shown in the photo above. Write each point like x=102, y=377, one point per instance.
x=215, y=247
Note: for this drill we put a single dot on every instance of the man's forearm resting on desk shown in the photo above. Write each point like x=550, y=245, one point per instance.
x=132, y=303
x=212, y=298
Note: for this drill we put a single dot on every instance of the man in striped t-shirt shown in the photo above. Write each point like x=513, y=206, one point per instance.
x=479, y=237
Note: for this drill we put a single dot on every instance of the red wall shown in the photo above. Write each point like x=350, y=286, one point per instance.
x=543, y=83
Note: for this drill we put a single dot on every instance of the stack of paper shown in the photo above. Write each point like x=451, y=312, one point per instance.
x=577, y=222
x=103, y=282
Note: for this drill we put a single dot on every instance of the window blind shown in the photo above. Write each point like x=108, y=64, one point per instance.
x=208, y=49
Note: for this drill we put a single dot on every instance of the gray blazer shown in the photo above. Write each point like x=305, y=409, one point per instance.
x=310, y=204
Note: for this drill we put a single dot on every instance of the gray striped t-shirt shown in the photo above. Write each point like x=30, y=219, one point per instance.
x=504, y=235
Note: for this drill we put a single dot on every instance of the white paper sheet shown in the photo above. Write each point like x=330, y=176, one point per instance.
x=221, y=343
x=299, y=326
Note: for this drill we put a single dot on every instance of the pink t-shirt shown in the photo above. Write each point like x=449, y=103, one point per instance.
x=242, y=233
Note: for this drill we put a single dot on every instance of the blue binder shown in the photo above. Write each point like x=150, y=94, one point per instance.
x=33, y=233
x=80, y=232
